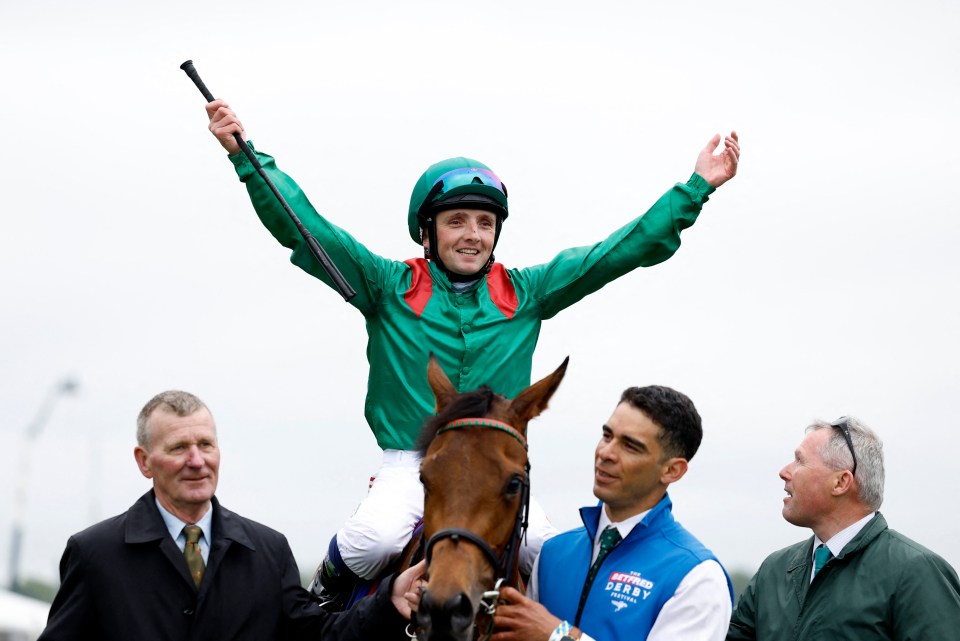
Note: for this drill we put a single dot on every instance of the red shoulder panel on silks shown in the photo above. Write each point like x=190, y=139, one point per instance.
x=421, y=285
x=501, y=289
x=502, y=293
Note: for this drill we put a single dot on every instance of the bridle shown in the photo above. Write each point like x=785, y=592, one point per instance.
x=505, y=564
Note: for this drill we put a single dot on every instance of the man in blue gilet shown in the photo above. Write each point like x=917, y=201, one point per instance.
x=631, y=572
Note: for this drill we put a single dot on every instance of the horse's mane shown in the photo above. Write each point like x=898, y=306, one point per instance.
x=473, y=404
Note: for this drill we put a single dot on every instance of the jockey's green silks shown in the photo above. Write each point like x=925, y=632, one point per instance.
x=483, y=336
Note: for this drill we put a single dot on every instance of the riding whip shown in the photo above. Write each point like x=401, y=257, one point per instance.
x=315, y=248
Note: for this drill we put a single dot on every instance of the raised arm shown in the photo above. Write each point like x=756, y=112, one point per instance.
x=650, y=239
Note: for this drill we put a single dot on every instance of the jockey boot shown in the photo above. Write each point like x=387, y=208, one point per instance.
x=333, y=584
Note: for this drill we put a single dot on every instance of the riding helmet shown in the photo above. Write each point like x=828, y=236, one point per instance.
x=455, y=182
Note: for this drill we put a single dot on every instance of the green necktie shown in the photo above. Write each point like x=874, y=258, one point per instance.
x=192, y=553
x=820, y=557
x=609, y=539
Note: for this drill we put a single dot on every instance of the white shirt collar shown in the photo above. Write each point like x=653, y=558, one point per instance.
x=839, y=540
x=624, y=527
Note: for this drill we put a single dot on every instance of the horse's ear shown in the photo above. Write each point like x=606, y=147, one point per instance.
x=533, y=400
x=443, y=389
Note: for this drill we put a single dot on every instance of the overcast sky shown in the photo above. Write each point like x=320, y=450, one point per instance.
x=821, y=281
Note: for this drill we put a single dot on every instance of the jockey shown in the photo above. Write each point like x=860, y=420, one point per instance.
x=480, y=319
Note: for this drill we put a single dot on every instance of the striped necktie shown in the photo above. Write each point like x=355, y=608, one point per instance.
x=609, y=539
x=192, y=553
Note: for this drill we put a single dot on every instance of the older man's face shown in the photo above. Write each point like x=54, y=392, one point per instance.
x=808, y=482
x=183, y=460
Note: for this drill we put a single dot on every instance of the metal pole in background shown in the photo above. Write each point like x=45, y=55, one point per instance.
x=65, y=387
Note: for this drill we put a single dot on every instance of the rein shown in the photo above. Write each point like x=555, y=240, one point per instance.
x=505, y=564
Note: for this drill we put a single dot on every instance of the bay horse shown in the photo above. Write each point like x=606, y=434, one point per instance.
x=476, y=481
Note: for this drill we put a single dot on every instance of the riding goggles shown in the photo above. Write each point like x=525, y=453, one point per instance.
x=463, y=177
x=467, y=184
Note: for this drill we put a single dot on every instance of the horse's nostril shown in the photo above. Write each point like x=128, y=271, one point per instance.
x=426, y=606
x=420, y=620
x=450, y=618
x=461, y=612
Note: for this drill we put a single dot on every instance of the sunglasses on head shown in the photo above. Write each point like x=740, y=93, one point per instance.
x=843, y=425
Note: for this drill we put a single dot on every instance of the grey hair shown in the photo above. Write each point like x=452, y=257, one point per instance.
x=869, y=449
x=176, y=401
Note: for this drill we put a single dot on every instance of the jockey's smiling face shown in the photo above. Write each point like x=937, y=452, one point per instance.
x=465, y=238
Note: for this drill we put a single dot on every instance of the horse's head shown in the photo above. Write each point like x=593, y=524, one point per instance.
x=476, y=488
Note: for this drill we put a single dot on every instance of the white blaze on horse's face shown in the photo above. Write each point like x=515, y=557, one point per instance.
x=473, y=481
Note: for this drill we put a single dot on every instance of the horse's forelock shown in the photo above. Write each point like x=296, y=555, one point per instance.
x=473, y=404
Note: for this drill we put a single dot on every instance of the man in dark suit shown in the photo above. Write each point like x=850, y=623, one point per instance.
x=177, y=565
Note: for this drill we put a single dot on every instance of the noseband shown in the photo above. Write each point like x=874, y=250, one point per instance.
x=504, y=564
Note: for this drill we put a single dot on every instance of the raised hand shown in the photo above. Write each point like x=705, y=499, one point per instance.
x=224, y=124
x=717, y=169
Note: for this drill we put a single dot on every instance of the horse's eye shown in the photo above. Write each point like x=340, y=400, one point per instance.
x=513, y=486
x=423, y=482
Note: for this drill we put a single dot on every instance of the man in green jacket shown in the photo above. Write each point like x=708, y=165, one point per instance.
x=855, y=579
x=480, y=319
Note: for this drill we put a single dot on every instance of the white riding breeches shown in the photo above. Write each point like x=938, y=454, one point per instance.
x=384, y=521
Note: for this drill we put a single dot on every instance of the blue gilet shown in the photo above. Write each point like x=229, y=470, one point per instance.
x=635, y=580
